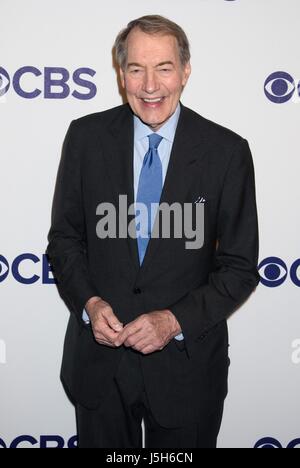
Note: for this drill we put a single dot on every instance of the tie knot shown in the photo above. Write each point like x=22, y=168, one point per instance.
x=154, y=140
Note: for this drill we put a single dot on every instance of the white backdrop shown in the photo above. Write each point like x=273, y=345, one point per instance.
x=236, y=46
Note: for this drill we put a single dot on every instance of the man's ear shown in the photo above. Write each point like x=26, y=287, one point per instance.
x=122, y=77
x=187, y=70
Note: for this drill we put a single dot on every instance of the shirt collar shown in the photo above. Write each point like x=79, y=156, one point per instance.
x=167, y=131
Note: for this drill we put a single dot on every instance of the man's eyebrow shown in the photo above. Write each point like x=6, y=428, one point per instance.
x=168, y=62
x=135, y=64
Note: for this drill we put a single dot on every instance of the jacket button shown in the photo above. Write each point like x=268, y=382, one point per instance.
x=137, y=291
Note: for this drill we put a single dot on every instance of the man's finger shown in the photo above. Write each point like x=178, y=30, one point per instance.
x=105, y=331
x=139, y=345
x=148, y=349
x=105, y=343
x=135, y=338
x=128, y=330
x=112, y=320
x=102, y=339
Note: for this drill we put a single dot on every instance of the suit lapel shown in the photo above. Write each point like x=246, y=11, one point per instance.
x=119, y=161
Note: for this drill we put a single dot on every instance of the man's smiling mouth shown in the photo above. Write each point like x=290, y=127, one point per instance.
x=152, y=102
x=152, y=99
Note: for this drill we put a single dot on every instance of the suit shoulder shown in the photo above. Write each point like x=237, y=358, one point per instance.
x=214, y=132
x=103, y=118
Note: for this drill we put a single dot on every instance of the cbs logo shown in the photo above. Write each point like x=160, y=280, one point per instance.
x=44, y=442
x=50, y=83
x=269, y=442
x=280, y=87
x=274, y=272
x=22, y=268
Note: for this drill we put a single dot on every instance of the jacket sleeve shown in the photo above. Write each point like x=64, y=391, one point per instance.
x=67, y=236
x=235, y=273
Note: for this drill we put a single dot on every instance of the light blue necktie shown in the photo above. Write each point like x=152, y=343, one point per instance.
x=149, y=191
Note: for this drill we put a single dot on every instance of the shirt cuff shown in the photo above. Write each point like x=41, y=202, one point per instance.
x=179, y=337
x=85, y=317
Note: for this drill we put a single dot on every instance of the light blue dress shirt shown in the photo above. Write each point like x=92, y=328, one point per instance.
x=141, y=146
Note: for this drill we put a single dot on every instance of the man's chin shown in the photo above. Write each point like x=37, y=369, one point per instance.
x=153, y=118
x=153, y=123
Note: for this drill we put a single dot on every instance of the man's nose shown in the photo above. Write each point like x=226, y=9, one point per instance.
x=150, y=84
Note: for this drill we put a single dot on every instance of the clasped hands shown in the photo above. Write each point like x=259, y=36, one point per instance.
x=148, y=333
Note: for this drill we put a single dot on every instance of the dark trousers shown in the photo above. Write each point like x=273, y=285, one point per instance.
x=117, y=421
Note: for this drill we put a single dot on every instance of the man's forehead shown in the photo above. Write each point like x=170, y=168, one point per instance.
x=165, y=50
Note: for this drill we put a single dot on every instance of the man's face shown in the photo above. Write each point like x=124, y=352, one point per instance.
x=154, y=77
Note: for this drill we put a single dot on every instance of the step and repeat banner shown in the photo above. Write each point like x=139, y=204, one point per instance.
x=56, y=65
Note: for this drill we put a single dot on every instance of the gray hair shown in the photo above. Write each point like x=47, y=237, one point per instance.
x=152, y=24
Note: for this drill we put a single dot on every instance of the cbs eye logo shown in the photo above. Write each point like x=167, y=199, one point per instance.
x=4, y=81
x=280, y=87
x=4, y=268
x=274, y=272
x=269, y=442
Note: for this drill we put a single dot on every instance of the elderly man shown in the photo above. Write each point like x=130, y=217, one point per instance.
x=147, y=337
